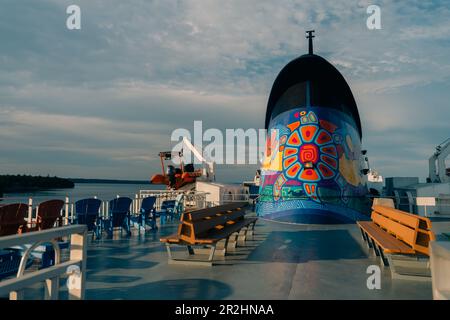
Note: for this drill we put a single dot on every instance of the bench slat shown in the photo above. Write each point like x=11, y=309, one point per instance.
x=204, y=225
x=210, y=225
x=389, y=243
x=396, y=231
x=399, y=230
x=207, y=212
x=215, y=236
x=211, y=237
x=405, y=218
x=173, y=238
x=226, y=232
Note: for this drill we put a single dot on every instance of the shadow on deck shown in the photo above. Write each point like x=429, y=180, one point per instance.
x=182, y=289
x=304, y=246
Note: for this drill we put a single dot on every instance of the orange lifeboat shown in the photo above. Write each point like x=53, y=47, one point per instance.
x=175, y=178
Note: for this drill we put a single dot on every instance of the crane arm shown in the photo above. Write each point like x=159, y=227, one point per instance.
x=194, y=150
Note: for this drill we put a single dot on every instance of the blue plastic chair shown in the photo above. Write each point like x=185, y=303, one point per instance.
x=119, y=216
x=10, y=262
x=171, y=209
x=147, y=214
x=87, y=213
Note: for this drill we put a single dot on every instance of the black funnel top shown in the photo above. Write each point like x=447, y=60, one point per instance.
x=310, y=80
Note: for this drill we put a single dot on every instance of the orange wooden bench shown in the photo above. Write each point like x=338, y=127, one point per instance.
x=216, y=229
x=392, y=231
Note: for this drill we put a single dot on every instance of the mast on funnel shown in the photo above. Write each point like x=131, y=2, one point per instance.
x=310, y=36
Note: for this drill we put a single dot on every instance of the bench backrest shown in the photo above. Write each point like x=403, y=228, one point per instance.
x=423, y=223
x=207, y=212
x=196, y=223
x=400, y=231
x=411, y=229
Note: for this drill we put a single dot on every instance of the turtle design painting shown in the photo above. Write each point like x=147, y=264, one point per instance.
x=312, y=171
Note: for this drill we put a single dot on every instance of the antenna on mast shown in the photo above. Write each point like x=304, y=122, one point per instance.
x=310, y=35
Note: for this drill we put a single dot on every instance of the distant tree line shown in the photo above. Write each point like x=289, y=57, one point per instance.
x=25, y=183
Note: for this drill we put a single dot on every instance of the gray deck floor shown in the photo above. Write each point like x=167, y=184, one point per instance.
x=282, y=262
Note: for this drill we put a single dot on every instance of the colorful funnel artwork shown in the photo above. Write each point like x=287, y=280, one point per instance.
x=312, y=168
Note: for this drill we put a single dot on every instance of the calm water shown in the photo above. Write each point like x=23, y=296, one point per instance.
x=82, y=190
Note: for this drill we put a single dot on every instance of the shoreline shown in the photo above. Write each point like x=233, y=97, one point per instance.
x=108, y=181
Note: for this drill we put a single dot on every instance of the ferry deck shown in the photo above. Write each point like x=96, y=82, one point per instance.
x=283, y=261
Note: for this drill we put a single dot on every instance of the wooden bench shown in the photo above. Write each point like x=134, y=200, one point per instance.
x=392, y=231
x=215, y=229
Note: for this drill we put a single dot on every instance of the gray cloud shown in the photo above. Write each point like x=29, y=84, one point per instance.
x=103, y=101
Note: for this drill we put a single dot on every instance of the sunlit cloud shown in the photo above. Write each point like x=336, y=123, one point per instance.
x=102, y=101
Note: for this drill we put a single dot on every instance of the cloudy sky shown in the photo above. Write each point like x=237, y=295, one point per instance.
x=102, y=101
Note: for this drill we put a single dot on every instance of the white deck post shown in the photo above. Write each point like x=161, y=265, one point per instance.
x=66, y=211
x=16, y=295
x=51, y=288
x=440, y=269
x=78, y=251
x=136, y=203
x=30, y=212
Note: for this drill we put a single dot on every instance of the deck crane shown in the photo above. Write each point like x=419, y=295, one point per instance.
x=208, y=166
x=185, y=175
x=438, y=171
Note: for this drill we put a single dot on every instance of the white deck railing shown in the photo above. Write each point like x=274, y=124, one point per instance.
x=191, y=199
x=425, y=206
x=440, y=269
x=15, y=287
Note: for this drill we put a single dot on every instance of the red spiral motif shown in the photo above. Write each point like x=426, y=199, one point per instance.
x=309, y=153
